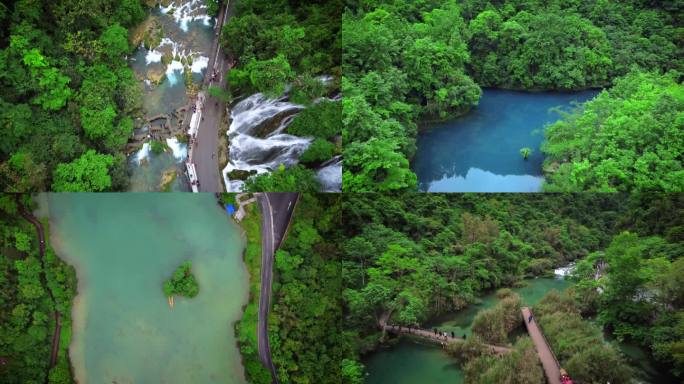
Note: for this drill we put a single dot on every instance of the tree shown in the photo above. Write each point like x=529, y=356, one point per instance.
x=88, y=173
x=114, y=41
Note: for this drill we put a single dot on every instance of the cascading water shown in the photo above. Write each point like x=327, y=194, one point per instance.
x=185, y=34
x=248, y=152
x=329, y=175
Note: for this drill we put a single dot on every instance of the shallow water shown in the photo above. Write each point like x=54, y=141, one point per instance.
x=187, y=32
x=415, y=362
x=123, y=247
x=480, y=152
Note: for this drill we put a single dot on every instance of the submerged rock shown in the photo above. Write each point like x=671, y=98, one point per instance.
x=240, y=174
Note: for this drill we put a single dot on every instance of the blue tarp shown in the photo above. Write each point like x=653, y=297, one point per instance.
x=230, y=209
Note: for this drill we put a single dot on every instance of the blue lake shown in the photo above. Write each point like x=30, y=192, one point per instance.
x=480, y=152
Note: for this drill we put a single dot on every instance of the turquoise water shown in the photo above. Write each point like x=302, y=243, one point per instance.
x=123, y=247
x=412, y=362
x=480, y=152
x=415, y=362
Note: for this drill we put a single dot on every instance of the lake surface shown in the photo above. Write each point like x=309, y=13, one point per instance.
x=415, y=362
x=123, y=247
x=480, y=152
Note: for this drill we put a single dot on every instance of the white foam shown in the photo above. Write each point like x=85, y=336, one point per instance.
x=330, y=176
x=153, y=56
x=564, y=271
x=263, y=155
x=188, y=12
x=143, y=153
x=199, y=63
x=180, y=150
x=174, y=71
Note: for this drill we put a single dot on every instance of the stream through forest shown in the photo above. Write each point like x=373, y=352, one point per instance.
x=480, y=152
x=123, y=247
x=412, y=361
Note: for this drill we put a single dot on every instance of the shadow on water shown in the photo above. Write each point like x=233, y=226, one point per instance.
x=480, y=152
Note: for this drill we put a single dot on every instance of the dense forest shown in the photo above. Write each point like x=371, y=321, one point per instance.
x=67, y=94
x=32, y=290
x=420, y=255
x=305, y=323
x=407, y=63
x=290, y=47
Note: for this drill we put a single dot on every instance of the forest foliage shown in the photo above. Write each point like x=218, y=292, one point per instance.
x=292, y=48
x=416, y=256
x=68, y=95
x=27, y=285
x=305, y=324
x=408, y=63
x=628, y=138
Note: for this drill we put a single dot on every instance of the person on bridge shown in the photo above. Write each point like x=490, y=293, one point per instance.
x=529, y=319
x=453, y=334
x=464, y=336
x=435, y=329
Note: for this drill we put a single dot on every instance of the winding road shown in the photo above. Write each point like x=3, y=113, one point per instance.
x=41, y=237
x=276, y=212
x=205, y=151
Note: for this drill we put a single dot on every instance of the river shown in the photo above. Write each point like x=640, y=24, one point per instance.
x=480, y=152
x=411, y=361
x=123, y=247
x=187, y=33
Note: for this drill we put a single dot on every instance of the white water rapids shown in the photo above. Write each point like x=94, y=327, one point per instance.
x=250, y=153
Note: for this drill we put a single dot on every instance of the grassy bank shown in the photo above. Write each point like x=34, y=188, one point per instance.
x=62, y=281
x=246, y=329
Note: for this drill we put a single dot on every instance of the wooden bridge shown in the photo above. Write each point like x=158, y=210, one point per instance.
x=547, y=358
x=438, y=337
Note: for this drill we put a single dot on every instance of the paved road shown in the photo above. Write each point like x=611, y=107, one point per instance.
x=546, y=356
x=41, y=238
x=205, y=155
x=276, y=211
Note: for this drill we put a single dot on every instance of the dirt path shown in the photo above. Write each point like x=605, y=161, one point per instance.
x=41, y=237
x=546, y=356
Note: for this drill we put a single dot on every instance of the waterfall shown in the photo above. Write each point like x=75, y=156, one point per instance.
x=251, y=153
x=330, y=175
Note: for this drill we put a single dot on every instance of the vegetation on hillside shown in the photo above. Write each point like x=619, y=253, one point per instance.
x=628, y=138
x=246, y=328
x=26, y=308
x=67, y=95
x=410, y=62
x=420, y=255
x=290, y=47
x=306, y=319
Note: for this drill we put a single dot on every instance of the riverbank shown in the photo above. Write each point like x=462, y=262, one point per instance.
x=61, y=279
x=246, y=328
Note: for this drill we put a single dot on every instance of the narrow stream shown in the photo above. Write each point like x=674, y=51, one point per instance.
x=123, y=247
x=184, y=36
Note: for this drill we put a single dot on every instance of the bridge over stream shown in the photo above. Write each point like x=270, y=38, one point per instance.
x=546, y=356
